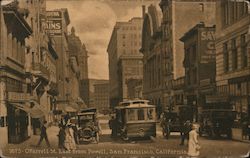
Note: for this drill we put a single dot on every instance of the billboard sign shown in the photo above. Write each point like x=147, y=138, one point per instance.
x=53, y=23
x=53, y=14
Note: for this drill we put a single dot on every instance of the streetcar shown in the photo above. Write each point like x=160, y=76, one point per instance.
x=135, y=119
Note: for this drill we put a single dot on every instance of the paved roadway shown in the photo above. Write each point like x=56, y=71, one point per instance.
x=107, y=147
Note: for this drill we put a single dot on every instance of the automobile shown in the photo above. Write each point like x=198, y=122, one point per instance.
x=135, y=119
x=170, y=123
x=87, y=125
x=173, y=121
x=217, y=122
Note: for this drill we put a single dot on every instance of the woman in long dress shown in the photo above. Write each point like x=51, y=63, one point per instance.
x=193, y=144
x=69, y=139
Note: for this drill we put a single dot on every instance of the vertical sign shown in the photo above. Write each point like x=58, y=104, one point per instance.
x=207, y=51
x=53, y=23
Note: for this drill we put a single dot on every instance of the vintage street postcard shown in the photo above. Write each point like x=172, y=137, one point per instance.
x=124, y=78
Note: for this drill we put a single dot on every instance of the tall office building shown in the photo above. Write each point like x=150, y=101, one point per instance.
x=179, y=17
x=233, y=61
x=125, y=60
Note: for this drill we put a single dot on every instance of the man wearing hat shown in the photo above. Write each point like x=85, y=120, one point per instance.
x=186, y=128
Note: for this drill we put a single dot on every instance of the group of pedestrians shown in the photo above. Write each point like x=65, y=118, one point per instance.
x=67, y=136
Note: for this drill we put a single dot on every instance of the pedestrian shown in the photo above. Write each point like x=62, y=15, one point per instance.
x=98, y=130
x=245, y=130
x=248, y=129
x=185, y=129
x=69, y=142
x=43, y=134
x=75, y=133
x=113, y=127
x=61, y=137
x=193, y=144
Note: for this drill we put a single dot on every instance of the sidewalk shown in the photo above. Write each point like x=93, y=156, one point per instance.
x=52, y=133
x=33, y=140
x=244, y=141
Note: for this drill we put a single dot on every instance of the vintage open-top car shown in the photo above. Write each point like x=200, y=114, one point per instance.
x=135, y=118
x=87, y=125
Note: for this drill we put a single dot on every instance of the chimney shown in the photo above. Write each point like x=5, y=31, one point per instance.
x=143, y=11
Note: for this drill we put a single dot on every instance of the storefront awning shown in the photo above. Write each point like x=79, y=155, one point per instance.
x=216, y=99
x=72, y=105
x=66, y=108
x=35, y=110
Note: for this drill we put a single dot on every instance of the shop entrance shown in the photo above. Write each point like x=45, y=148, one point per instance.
x=17, y=125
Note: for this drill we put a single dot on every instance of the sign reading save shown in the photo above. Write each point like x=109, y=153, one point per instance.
x=207, y=46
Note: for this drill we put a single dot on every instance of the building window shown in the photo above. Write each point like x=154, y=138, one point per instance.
x=234, y=55
x=201, y=7
x=123, y=36
x=188, y=77
x=245, y=8
x=233, y=10
x=225, y=57
x=194, y=75
x=194, y=53
x=243, y=51
x=225, y=14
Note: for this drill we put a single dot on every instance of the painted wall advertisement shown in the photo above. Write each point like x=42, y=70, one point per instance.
x=53, y=23
x=207, y=46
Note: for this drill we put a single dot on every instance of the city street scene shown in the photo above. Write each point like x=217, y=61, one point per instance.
x=124, y=78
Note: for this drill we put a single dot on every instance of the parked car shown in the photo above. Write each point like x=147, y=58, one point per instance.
x=217, y=122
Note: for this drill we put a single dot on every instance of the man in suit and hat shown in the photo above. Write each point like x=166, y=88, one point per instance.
x=43, y=134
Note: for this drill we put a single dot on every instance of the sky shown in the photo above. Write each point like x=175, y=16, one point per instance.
x=94, y=21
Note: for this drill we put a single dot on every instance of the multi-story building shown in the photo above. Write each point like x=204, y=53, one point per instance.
x=199, y=64
x=56, y=26
x=233, y=59
x=88, y=93
x=125, y=40
x=14, y=120
x=78, y=49
x=179, y=16
x=178, y=99
x=40, y=62
x=101, y=96
x=134, y=88
x=129, y=67
x=79, y=63
x=153, y=82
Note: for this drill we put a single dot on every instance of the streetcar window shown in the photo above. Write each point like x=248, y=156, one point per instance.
x=139, y=102
x=140, y=114
x=132, y=114
x=150, y=112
